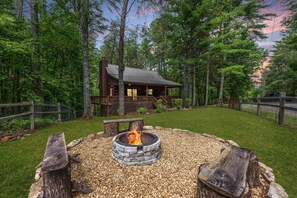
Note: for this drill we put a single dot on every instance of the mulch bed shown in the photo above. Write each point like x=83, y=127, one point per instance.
x=173, y=175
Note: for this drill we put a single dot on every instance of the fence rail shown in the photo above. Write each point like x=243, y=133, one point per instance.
x=281, y=109
x=38, y=109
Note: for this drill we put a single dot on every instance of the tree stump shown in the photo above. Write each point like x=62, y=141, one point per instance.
x=232, y=174
x=111, y=129
x=138, y=125
x=56, y=169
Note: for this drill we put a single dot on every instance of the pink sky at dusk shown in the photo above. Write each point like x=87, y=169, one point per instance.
x=272, y=31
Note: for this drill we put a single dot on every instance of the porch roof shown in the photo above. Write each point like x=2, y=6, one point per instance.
x=140, y=76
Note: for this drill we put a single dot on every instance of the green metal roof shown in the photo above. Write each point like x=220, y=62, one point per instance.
x=140, y=76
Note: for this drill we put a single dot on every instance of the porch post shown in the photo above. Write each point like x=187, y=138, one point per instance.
x=146, y=92
x=107, y=105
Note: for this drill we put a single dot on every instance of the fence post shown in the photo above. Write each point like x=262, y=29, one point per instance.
x=59, y=112
x=258, y=105
x=281, y=112
x=32, y=116
x=74, y=113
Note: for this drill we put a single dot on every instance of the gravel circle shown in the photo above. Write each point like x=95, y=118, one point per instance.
x=173, y=175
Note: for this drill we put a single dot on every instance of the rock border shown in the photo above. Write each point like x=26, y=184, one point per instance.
x=274, y=190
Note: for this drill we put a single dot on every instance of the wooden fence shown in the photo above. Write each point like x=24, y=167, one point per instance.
x=33, y=112
x=282, y=103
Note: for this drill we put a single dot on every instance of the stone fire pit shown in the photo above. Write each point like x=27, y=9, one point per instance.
x=136, y=155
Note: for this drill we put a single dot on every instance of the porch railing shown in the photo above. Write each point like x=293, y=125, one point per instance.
x=109, y=100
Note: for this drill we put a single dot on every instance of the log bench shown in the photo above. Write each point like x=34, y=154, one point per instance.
x=233, y=174
x=56, y=168
x=111, y=127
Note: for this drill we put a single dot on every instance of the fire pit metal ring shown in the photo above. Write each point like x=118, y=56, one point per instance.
x=132, y=155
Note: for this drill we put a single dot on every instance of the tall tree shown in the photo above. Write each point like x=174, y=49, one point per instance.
x=84, y=28
x=35, y=52
x=282, y=71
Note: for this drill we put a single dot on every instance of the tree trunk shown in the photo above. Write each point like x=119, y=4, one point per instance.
x=121, y=59
x=35, y=55
x=221, y=90
x=186, y=84
x=194, y=86
x=19, y=15
x=86, y=79
x=19, y=8
x=190, y=82
x=207, y=83
x=113, y=48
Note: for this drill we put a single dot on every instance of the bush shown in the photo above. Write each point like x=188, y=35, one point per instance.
x=17, y=124
x=177, y=103
x=160, y=106
x=188, y=102
x=14, y=125
x=142, y=110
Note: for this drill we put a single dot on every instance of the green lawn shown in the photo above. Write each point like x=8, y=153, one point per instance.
x=274, y=145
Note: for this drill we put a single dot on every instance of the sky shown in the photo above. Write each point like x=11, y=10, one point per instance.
x=135, y=17
x=272, y=31
x=274, y=26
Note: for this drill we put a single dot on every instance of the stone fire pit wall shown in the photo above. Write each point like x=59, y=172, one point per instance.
x=136, y=155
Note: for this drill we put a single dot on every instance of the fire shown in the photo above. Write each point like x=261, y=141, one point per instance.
x=134, y=137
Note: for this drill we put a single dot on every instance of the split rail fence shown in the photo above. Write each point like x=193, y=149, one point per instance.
x=282, y=109
x=37, y=110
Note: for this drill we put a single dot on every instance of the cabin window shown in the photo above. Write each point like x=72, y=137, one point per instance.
x=149, y=91
x=133, y=93
x=111, y=91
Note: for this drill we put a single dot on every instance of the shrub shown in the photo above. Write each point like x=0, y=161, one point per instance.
x=160, y=106
x=177, y=103
x=188, y=102
x=142, y=110
x=14, y=125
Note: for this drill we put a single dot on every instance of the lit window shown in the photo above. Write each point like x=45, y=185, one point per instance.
x=132, y=92
x=150, y=91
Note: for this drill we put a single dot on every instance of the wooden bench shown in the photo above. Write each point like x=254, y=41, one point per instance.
x=111, y=127
x=56, y=168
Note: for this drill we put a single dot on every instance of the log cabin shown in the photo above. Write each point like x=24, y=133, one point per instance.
x=142, y=89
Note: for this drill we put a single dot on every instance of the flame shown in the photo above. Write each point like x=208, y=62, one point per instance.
x=134, y=137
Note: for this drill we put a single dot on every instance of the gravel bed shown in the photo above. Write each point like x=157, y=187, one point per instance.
x=173, y=175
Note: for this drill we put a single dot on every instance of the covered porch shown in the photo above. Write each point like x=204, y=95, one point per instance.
x=110, y=104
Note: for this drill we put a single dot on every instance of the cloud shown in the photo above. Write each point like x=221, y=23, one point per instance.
x=275, y=28
x=132, y=17
x=145, y=11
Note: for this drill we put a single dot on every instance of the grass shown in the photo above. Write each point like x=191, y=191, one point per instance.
x=274, y=145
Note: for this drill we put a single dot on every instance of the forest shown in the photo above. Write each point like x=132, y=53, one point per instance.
x=49, y=51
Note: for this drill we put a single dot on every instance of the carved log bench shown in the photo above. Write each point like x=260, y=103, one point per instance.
x=56, y=168
x=111, y=127
x=232, y=174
